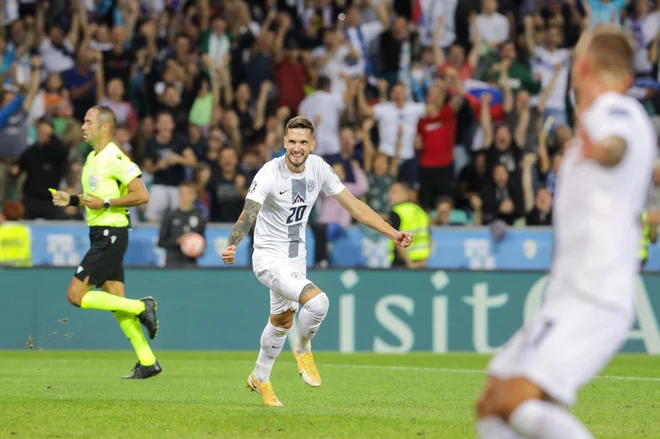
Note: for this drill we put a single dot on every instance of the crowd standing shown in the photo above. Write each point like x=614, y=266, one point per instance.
x=466, y=103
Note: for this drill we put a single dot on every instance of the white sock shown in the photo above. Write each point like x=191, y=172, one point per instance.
x=272, y=342
x=536, y=419
x=310, y=318
x=493, y=427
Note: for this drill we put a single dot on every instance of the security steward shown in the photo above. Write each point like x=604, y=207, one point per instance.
x=649, y=235
x=407, y=216
x=15, y=241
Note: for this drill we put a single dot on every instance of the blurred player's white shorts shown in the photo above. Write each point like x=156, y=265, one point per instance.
x=563, y=347
x=285, y=279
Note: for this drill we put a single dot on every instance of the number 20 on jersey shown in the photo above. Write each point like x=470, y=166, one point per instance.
x=296, y=214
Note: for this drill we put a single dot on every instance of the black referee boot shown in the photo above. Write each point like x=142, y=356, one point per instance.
x=148, y=316
x=141, y=372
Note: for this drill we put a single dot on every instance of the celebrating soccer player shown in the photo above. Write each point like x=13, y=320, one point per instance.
x=280, y=199
x=589, y=305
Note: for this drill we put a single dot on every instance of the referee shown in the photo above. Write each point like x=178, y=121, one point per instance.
x=111, y=183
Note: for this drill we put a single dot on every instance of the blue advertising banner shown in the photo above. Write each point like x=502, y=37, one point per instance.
x=388, y=311
x=64, y=244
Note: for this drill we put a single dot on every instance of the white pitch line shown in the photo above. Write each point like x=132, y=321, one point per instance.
x=448, y=370
x=379, y=367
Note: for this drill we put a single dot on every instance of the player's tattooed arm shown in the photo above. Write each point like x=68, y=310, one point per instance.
x=244, y=223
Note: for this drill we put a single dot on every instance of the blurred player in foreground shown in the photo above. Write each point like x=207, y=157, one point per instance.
x=111, y=183
x=280, y=199
x=589, y=305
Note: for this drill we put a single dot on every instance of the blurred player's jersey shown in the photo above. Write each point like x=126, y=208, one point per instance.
x=286, y=201
x=598, y=210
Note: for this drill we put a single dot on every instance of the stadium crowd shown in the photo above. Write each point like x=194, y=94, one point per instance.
x=466, y=102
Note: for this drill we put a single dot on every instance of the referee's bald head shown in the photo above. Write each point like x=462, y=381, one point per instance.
x=106, y=116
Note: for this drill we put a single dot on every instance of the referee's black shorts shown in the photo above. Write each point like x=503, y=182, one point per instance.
x=105, y=259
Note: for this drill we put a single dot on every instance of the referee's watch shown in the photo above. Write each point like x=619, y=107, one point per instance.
x=106, y=203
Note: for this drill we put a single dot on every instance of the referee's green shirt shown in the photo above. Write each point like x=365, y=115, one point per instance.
x=107, y=174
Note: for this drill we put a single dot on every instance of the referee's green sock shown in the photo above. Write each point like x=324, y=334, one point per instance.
x=95, y=299
x=131, y=327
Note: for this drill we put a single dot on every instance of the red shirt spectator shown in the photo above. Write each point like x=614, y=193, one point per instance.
x=438, y=135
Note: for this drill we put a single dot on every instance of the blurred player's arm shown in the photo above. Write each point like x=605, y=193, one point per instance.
x=244, y=223
x=608, y=152
x=365, y=215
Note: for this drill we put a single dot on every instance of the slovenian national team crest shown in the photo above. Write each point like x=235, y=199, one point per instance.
x=310, y=186
x=298, y=199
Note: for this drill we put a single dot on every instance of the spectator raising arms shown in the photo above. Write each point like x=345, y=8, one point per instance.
x=202, y=91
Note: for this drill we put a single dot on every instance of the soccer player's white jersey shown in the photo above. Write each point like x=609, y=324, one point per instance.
x=597, y=211
x=589, y=300
x=286, y=201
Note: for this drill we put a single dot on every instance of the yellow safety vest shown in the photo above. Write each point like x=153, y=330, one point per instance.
x=15, y=245
x=646, y=240
x=416, y=221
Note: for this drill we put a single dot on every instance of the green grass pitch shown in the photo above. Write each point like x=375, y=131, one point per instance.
x=203, y=395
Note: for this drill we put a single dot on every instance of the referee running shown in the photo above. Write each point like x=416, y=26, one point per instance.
x=111, y=183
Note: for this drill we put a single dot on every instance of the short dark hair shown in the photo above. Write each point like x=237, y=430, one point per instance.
x=323, y=83
x=300, y=122
x=45, y=120
x=189, y=184
x=444, y=199
x=106, y=115
x=164, y=112
x=404, y=184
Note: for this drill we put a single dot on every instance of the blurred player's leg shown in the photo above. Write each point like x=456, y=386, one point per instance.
x=537, y=419
x=314, y=309
x=493, y=427
x=489, y=424
x=540, y=369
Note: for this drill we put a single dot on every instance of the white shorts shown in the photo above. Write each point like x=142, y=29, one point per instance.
x=563, y=347
x=285, y=279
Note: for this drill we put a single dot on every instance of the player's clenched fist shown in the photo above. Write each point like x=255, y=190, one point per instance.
x=61, y=199
x=229, y=255
x=404, y=239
